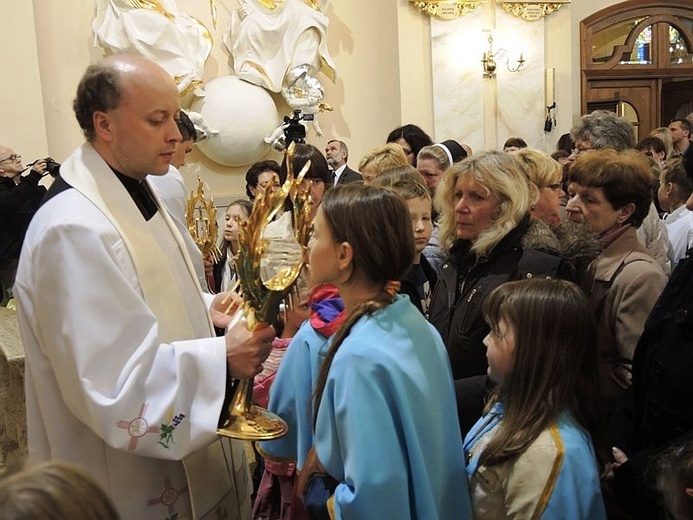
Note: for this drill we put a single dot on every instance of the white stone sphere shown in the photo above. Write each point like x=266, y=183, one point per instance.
x=243, y=114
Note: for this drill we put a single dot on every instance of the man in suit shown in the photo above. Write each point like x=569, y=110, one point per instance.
x=681, y=131
x=337, y=154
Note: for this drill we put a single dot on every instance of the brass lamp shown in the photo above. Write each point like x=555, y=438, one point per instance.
x=489, y=60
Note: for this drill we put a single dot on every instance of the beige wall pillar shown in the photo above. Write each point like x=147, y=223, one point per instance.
x=23, y=125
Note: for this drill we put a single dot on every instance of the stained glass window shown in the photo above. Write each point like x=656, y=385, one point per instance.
x=641, y=54
x=678, y=51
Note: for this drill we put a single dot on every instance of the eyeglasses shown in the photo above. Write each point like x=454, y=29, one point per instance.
x=14, y=157
x=555, y=187
x=580, y=150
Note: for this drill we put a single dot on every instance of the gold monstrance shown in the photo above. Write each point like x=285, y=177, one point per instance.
x=201, y=219
x=267, y=269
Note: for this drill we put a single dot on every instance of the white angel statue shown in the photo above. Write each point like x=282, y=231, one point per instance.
x=269, y=38
x=157, y=30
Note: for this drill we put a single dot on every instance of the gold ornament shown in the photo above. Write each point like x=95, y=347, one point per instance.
x=267, y=269
x=445, y=9
x=201, y=219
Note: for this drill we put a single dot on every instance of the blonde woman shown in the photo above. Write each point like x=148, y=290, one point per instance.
x=545, y=174
x=380, y=159
x=484, y=206
x=662, y=132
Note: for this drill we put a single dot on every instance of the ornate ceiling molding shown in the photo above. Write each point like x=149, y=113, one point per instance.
x=445, y=9
x=533, y=10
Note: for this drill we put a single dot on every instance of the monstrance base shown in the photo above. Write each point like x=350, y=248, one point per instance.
x=257, y=425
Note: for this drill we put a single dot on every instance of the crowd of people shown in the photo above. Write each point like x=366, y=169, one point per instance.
x=501, y=334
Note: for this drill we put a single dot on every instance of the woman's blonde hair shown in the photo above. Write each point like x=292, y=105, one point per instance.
x=500, y=174
x=539, y=167
x=662, y=132
x=383, y=158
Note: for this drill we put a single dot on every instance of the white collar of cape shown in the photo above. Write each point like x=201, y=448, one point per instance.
x=178, y=319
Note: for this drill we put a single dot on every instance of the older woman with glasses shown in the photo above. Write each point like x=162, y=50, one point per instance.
x=577, y=245
x=601, y=130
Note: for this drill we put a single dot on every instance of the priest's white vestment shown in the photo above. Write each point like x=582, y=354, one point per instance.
x=123, y=374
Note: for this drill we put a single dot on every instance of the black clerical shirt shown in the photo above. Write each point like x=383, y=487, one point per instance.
x=138, y=190
x=140, y=193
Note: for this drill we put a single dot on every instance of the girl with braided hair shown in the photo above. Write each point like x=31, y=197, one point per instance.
x=386, y=444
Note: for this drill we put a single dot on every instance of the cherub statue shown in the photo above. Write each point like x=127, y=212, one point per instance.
x=202, y=127
x=157, y=30
x=304, y=92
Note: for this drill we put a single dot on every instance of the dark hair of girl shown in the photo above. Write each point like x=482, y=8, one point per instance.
x=555, y=362
x=319, y=170
x=377, y=225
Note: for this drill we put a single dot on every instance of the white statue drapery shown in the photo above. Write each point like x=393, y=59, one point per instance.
x=157, y=30
x=267, y=42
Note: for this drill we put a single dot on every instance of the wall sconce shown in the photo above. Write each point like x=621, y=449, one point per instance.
x=489, y=60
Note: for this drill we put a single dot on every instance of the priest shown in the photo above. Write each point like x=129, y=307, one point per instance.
x=124, y=375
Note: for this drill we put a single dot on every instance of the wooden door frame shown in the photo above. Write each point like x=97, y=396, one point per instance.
x=649, y=114
x=652, y=12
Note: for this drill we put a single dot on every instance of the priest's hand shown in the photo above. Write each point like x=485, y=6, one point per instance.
x=246, y=350
x=223, y=308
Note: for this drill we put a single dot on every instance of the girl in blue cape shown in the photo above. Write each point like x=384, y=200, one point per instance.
x=387, y=440
x=292, y=390
x=290, y=398
x=531, y=455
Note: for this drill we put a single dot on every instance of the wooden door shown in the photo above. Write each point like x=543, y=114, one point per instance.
x=677, y=100
x=639, y=51
x=641, y=94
